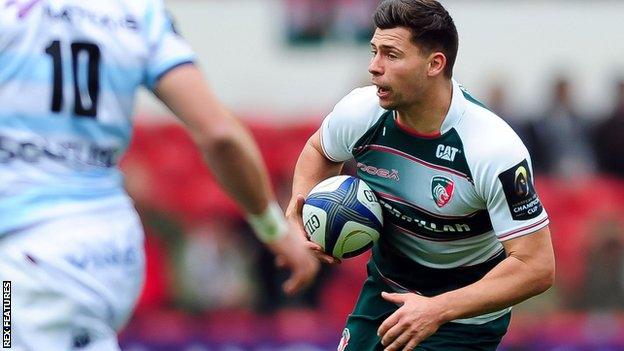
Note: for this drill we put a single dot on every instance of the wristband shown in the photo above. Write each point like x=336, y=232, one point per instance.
x=270, y=225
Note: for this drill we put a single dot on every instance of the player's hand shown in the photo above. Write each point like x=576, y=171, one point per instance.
x=416, y=319
x=296, y=220
x=291, y=253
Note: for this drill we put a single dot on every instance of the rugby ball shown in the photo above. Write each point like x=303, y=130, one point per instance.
x=343, y=216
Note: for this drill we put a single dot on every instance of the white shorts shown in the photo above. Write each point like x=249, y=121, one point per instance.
x=75, y=280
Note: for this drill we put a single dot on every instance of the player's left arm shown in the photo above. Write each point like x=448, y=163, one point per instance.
x=528, y=270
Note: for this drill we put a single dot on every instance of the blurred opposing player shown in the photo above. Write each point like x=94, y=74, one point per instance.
x=465, y=235
x=70, y=240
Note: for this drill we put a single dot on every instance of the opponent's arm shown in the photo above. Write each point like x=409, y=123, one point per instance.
x=234, y=159
x=226, y=145
x=528, y=270
x=312, y=167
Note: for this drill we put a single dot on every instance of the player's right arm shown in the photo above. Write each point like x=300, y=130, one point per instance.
x=325, y=152
x=312, y=167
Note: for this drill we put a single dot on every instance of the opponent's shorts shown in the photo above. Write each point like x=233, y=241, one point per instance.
x=74, y=280
x=360, y=333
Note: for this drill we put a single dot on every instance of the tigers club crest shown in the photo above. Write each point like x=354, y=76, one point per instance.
x=442, y=190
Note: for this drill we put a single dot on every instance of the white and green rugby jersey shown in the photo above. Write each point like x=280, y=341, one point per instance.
x=69, y=73
x=449, y=200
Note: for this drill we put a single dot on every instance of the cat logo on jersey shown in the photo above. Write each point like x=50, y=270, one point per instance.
x=442, y=190
x=520, y=193
x=344, y=341
x=445, y=152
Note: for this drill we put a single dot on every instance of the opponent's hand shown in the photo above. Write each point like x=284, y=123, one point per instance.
x=291, y=253
x=296, y=220
x=416, y=319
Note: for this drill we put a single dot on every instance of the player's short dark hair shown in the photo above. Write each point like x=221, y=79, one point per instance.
x=431, y=26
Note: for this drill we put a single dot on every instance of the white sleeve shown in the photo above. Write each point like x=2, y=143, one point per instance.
x=167, y=49
x=348, y=122
x=506, y=184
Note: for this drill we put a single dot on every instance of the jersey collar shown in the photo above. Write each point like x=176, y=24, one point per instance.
x=457, y=109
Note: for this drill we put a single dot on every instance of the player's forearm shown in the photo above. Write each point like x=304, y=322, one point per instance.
x=237, y=165
x=226, y=144
x=512, y=281
x=509, y=283
x=312, y=167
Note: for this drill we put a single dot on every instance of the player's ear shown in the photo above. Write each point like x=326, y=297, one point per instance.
x=436, y=64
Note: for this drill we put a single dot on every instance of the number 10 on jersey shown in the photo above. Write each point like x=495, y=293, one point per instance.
x=85, y=63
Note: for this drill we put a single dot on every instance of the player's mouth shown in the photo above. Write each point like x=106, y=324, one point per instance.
x=383, y=92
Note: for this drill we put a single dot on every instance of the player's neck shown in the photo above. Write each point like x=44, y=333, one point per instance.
x=427, y=116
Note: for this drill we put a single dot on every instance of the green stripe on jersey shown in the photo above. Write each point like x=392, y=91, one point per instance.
x=401, y=271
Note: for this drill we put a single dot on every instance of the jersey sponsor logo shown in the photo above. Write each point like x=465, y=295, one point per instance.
x=106, y=258
x=392, y=174
x=68, y=152
x=344, y=341
x=520, y=193
x=442, y=190
x=447, y=153
x=76, y=14
x=424, y=224
x=81, y=338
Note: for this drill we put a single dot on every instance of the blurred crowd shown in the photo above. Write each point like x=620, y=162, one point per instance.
x=563, y=142
x=315, y=22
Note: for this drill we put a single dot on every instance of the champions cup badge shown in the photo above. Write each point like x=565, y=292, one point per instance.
x=344, y=341
x=442, y=190
x=521, y=182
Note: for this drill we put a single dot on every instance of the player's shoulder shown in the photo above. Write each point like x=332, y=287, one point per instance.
x=350, y=119
x=486, y=136
x=489, y=142
x=144, y=8
x=358, y=108
x=492, y=148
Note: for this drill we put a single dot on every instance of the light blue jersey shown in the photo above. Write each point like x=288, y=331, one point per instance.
x=69, y=72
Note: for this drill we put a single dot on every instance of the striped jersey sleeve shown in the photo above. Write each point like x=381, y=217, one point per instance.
x=506, y=185
x=348, y=122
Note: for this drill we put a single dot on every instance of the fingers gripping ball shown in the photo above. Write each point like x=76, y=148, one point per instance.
x=343, y=216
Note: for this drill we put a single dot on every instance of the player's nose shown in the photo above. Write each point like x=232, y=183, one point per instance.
x=375, y=67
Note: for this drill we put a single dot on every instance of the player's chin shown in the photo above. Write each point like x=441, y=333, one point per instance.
x=387, y=104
